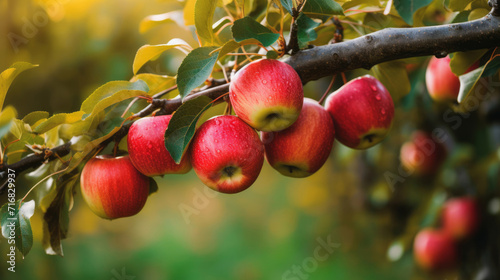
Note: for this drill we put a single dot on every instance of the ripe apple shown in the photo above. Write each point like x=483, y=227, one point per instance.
x=422, y=154
x=434, y=249
x=267, y=94
x=113, y=188
x=227, y=154
x=460, y=217
x=362, y=112
x=301, y=149
x=146, y=146
x=442, y=83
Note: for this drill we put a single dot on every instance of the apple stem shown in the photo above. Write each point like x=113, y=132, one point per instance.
x=327, y=90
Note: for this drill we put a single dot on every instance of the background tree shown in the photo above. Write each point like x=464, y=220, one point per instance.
x=321, y=40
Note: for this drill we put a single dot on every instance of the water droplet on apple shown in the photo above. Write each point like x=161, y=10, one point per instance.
x=150, y=146
x=218, y=151
x=374, y=88
x=264, y=81
x=378, y=97
x=382, y=111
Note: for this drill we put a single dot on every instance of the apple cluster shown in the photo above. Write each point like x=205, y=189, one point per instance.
x=227, y=153
x=436, y=249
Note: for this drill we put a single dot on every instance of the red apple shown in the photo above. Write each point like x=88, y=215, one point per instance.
x=227, y=154
x=267, y=94
x=146, y=146
x=442, y=83
x=460, y=217
x=434, y=249
x=422, y=155
x=113, y=188
x=301, y=149
x=362, y=112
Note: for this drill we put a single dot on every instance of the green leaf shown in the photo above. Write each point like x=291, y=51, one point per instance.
x=16, y=224
x=109, y=89
x=288, y=5
x=394, y=77
x=152, y=21
x=157, y=83
x=362, y=3
x=34, y=117
x=152, y=52
x=195, y=69
x=7, y=76
x=461, y=61
x=182, y=126
x=59, y=119
x=56, y=218
x=153, y=186
x=203, y=20
x=305, y=30
x=322, y=8
x=248, y=28
x=458, y=5
x=470, y=80
x=88, y=147
x=7, y=117
x=406, y=8
x=188, y=12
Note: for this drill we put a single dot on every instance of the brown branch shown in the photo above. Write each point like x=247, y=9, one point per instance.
x=363, y=52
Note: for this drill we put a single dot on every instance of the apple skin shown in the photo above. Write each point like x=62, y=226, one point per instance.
x=442, y=83
x=434, y=249
x=227, y=154
x=301, y=149
x=146, y=147
x=113, y=188
x=362, y=112
x=460, y=217
x=422, y=154
x=267, y=94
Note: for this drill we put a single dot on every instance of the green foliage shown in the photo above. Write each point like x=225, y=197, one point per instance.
x=248, y=28
x=469, y=81
x=182, y=126
x=8, y=75
x=407, y=8
x=306, y=32
x=15, y=221
x=196, y=68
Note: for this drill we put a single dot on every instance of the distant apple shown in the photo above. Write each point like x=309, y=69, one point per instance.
x=113, y=188
x=460, y=217
x=146, y=146
x=227, y=154
x=442, y=83
x=362, y=112
x=434, y=249
x=422, y=154
x=267, y=94
x=301, y=149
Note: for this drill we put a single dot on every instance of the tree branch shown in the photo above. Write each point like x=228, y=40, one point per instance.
x=396, y=43
x=363, y=52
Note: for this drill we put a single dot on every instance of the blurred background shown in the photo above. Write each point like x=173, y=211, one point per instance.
x=351, y=220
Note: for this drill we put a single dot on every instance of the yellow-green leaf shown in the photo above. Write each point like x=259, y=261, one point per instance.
x=394, y=77
x=461, y=61
x=109, y=89
x=34, y=117
x=7, y=117
x=154, y=20
x=7, y=76
x=203, y=20
x=157, y=83
x=189, y=12
x=152, y=52
x=59, y=119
